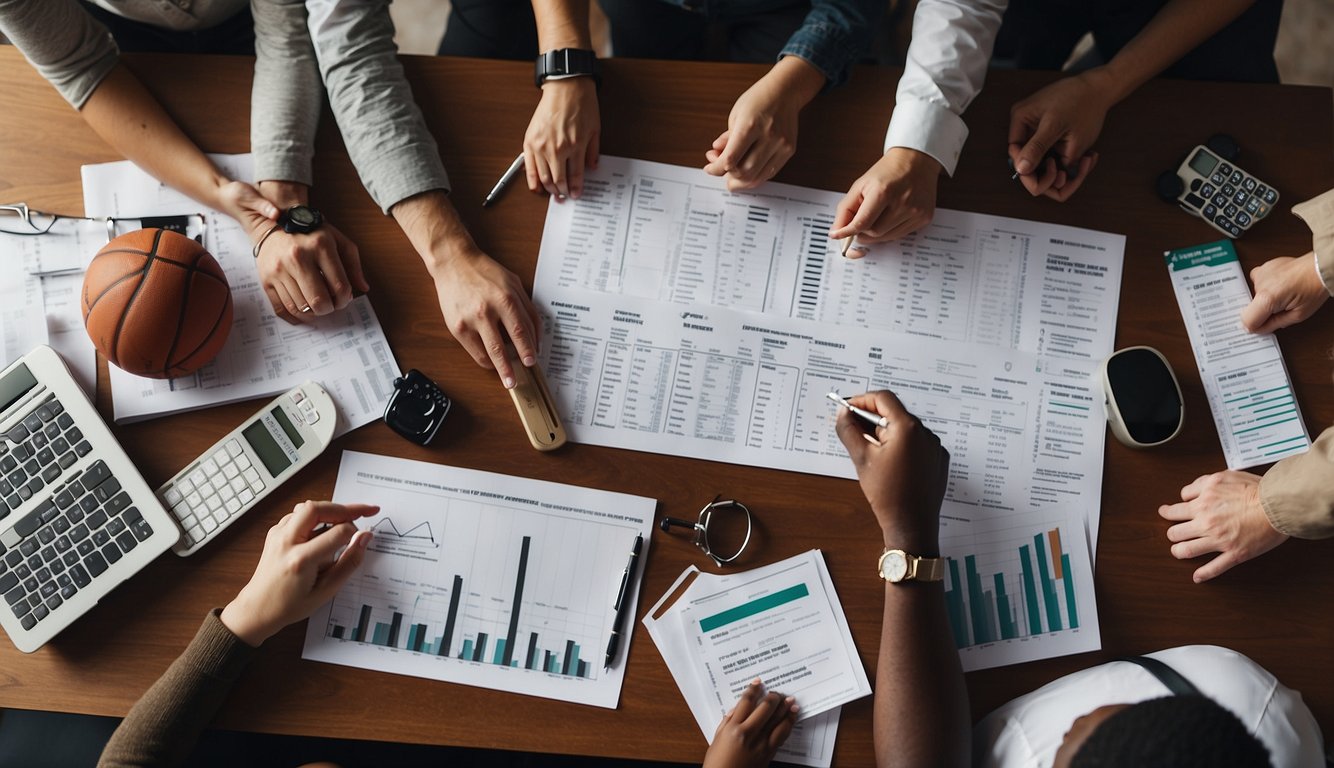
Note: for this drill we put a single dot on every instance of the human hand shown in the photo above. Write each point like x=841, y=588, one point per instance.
x=486, y=307
x=896, y=197
x=903, y=472
x=1220, y=513
x=751, y=733
x=310, y=275
x=1287, y=291
x=761, y=133
x=246, y=204
x=1051, y=133
x=563, y=136
x=298, y=571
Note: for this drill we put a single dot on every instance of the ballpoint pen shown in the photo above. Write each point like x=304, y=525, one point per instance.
x=622, y=603
x=505, y=180
x=872, y=418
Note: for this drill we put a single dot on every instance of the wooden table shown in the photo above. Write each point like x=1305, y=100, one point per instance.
x=1274, y=609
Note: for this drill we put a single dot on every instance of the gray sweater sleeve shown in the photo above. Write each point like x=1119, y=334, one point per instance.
x=66, y=44
x=382, y=127
x=286, y=97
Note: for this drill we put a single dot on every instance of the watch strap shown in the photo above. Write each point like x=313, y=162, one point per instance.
x=927, y=568
x=563, y=63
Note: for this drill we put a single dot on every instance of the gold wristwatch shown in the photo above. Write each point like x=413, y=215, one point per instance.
x=896, y=566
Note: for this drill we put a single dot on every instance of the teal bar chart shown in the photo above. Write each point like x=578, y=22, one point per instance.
x=1023, y=592
x=477, y=647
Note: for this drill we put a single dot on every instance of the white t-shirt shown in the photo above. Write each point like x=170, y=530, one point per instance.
x=1028, y=730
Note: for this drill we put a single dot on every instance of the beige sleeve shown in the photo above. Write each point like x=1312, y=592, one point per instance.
x=1318, y=213
x=1298, y=492
x=163, y=726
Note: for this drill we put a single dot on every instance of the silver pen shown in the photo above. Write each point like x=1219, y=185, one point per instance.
x=505, y=180
x=872, y=418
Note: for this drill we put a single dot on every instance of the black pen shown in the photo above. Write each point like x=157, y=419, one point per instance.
x=505, y=180
x=621, y=602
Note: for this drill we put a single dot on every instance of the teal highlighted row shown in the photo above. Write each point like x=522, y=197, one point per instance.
x=758, y=605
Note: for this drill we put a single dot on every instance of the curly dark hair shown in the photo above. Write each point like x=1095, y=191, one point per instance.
x=1172, y=732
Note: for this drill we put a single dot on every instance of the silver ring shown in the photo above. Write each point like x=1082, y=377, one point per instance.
x=305, y=309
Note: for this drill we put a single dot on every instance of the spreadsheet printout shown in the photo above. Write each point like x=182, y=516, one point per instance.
x=673, y=234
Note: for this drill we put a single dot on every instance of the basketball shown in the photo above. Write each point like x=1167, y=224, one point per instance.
x=156, y=304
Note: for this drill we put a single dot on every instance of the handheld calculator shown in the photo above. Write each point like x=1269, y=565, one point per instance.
x=1221, y=193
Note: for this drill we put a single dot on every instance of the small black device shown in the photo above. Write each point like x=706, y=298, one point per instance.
x=1208, y=183
x=417, y=408
x=1142, y=396
x=300, y=220
x=567, y=62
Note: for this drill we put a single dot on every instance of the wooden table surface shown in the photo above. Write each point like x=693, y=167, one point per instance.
x=1274, y=609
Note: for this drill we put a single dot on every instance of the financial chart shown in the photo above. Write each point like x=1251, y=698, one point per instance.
x=480, y=579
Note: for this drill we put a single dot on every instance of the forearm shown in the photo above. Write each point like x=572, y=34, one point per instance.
x=163, y=726
x=562, y=24
x=130, y=119
x=921, y=704
x=796, y=78
x=1176, y=30
x=435, y=230
x=384, y=131
x=287, y=93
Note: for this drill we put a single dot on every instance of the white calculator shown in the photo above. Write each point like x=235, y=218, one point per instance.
x=245, y=466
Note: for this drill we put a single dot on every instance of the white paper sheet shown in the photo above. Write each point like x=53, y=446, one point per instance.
x=674, y=234
x=1023, y=431
x=476, y=558
x=1244, y=376
x=345, y=351
x=22, y=309
x=698, y=637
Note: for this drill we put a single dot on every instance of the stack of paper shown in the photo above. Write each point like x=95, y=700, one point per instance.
x=346, y=351
x=782, y=624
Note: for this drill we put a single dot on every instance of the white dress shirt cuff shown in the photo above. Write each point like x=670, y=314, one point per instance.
x=929, y=128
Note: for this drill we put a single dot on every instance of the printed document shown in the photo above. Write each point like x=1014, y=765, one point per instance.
x=667, y=233
x=1243, y=373
x=782, y=623
x=345, y=351
x=484, y=579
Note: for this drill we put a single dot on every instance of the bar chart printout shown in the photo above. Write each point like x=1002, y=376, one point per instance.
x=482, y=579
x=1025, y=598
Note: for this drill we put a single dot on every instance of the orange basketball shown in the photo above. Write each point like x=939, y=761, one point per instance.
x=156, y=304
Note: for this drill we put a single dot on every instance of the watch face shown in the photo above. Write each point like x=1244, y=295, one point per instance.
x=895, y=566
x=302, y=215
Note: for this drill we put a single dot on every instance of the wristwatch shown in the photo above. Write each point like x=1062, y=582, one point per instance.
x=300, y=220
x=563, y=63
x=896, y=566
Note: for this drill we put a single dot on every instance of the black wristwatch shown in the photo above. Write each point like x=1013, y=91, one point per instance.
x=567, y=62
x=300, y=220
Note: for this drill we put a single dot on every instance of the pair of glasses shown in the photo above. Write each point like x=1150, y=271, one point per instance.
x=19, y=219
x=722, y=531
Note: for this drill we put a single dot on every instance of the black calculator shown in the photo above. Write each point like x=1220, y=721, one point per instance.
x=417, y=408
x=1219, y=192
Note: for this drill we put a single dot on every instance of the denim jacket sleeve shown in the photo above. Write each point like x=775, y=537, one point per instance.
x=834, y=35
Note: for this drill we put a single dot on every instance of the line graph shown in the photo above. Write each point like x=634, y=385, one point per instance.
x=392, y=528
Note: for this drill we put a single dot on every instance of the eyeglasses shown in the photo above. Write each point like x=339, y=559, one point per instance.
x=19, y=219
x=723, y=530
